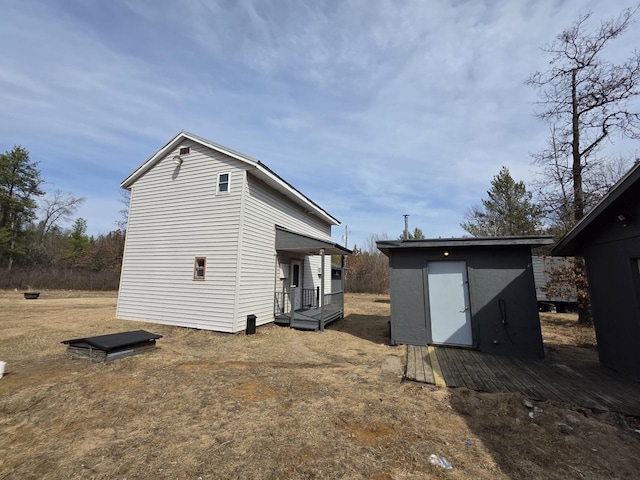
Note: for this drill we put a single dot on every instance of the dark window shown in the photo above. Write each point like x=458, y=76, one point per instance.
x=296, y=276
x=185, y=150
x=336, y=274
x=223, y=183
x=199, y=268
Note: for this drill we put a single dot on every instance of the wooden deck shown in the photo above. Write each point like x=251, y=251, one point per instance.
x=579, y=383
x=309, y=318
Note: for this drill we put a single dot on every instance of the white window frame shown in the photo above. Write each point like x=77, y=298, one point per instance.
x=218, y=191
x=197, y=267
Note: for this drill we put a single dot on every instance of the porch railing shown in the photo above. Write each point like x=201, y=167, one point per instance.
x=332, y=301
x=310, y=297
x=281, y=303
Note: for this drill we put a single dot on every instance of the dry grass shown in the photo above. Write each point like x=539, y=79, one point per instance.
x=278, y=404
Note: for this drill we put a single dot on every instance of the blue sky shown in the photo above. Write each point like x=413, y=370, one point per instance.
x=372, y=108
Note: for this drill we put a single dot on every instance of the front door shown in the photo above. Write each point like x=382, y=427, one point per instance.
x=450, y=314
x=296, y=284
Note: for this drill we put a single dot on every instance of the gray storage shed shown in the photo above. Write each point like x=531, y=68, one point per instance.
x=608, y=237
x=466, y=292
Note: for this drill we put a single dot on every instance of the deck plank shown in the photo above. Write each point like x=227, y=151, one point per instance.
x=469, y=364
x=585, y=384
x=445, y=368
x=459, y=364
x=479, y=368
x=412, y=365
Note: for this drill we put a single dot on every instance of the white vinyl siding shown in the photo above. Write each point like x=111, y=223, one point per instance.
x=176, y=216
x=312, y=265
x=264, y=209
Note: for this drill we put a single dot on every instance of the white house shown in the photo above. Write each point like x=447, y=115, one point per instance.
x=215, y=236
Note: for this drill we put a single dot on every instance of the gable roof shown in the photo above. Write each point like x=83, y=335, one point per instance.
x=569, y=243
x=258, y=169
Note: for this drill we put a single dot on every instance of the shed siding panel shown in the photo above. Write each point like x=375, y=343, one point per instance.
x=264, y=209
x=614, y=284
x=503, y=302
x=176, y=216
x=407, y=290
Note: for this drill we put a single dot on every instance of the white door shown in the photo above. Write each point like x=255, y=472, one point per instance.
x=449, y=303
x=296, y=284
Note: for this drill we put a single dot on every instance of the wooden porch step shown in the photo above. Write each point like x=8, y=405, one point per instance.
x=311, y=325
x=282, y=319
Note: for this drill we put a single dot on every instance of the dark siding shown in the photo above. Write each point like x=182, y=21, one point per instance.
x=408, y=317
x=611, y=247
x=497, y=276
x=504, y=304
x=612, y=272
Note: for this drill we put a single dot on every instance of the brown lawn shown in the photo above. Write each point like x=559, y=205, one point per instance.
x=276, y=405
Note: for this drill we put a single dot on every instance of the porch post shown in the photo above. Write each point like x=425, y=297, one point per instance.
x=322, y=290
x=342, y=274
x=292, y=312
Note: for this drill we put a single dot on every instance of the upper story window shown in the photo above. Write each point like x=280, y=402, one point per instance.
x=223, y=182
x=199, y=268
x=185, y=150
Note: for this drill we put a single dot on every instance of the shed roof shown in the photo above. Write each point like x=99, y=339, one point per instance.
x=530, y=240
x=569, y=243
x=258, y=169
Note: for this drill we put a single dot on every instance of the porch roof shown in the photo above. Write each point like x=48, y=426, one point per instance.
x=299, y=243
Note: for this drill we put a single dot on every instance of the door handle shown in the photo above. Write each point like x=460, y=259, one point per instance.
x=465, y=309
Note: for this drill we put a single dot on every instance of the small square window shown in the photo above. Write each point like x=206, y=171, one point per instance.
x=199, y=268
x=185, y=150
x=223, y=183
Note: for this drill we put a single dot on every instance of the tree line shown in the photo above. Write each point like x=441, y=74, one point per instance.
x=36, y=249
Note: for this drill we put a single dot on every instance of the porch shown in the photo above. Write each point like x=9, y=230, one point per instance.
x=307, y=296
x=311, y=316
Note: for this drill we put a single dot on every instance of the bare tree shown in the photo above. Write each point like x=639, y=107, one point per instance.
x=55, y=208
x=586, y=99
x=370, y=243
x=125, y=200
x=554, y=187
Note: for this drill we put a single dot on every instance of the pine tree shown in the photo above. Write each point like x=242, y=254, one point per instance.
x=19, y=186
x=509, y=210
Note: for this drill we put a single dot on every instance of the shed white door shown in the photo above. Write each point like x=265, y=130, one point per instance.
x=296, y=283
x=449, y=303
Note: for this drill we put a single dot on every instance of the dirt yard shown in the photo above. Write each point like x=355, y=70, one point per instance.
x=280, y=404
